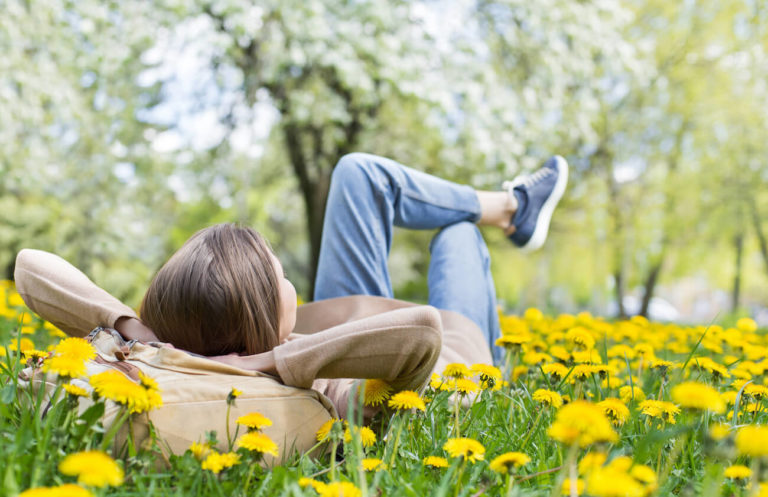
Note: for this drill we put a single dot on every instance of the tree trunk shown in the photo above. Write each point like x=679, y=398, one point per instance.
x=738, y=244
x=618, y=280
x=650, y=285
x=756, y=222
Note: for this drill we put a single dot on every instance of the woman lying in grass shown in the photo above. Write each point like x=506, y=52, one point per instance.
x=223, y=294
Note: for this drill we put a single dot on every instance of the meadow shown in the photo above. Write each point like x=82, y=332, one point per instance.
x=582, y=406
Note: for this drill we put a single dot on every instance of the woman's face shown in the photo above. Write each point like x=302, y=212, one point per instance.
x=287, y=301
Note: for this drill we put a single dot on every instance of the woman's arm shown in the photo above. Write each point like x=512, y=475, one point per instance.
x=400, y=347
x=63, y=295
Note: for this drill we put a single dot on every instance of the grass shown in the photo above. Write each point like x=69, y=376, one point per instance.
x=685, y=453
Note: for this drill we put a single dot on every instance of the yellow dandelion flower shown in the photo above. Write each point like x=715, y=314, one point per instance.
x=3, y=352
x=216, y=462
x=660, y=409
x=407, y=399
x=615, y=410
x=556, y=370
x=65, y=366
x=512, y=341
x=729, y=397
x=376, y=392
x=66, y=490
x=325, y=430
x=752, y=441
x=148, y=382
x=533, y=315
x=746, y=325
x=74, y=390
x=93, y=468
x=505, y=462
x=613, y=482
x=469, y=449
x=456, y=370
x=437, y=381
x=339, y=489
x=486, y=371
x=199, y=450
x=532, y=358
x=611, y=383
x=373, y=464
x=118, y=388
x=235, y=392
x=580, y=337
x=571, y=486
x=466, y=386
x=254, y=421
x=21, y=345
x=581, y=422
x=76, y=348
x=591, y=461
x=258, y=442
x=696, y=395
x=367, y=436
x=436, y=461
x=628, y=393
x=309, y=482
x=737, y=471
x=560, y=353
x=758, y=392
x=36, y=354
x=719, y=431
x=548, y=398
x=582, y=372
x=518, y=372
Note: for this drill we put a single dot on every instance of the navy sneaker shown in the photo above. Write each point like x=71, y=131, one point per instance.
x=537, y=196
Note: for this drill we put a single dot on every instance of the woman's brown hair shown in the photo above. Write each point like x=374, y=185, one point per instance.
x=217, y=294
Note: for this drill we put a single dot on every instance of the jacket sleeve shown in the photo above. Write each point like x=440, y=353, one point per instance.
x=63, y=295
x=400, y=347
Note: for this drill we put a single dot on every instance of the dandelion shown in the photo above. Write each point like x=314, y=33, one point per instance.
x=367, y=436
x=74, y=390
x=232, y=395
x=216, y=462
x=746, y=325
x=615, y=410
x=486, y=371
x=199, y=450
x=92, y=468
x=505, y=462
x=591, y=461
x=76, y=348
x=581, y=422
x=373, y=464
x=147, y=381
x=407, y=399
x=696, y=395
x=628, y=393
x=580, y=337
x=339, y=489
x=254, y=421
x=469, y=449
x=548, y=398
x=376, y=392
x=556, y=370
x=65, y=366
x=578, y=486
x=21, y=345
x=719, y=431
x=436, y=461
x=326, y=428
x=309, y=482
x=66, y=490
x=258, y=442
x=752, y=441
x=737, y=471
x=36, y=354
x=118, y=388
x=512, y=341
x=465, y=386
x=456, y=370
x=665, y=411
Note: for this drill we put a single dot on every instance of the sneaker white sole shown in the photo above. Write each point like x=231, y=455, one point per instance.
x=545, y=215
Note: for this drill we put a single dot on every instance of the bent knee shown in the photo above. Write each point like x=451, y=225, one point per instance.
x=457, y=233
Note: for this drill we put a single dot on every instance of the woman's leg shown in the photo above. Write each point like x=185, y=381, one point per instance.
x=368, y=196
x=460, y=279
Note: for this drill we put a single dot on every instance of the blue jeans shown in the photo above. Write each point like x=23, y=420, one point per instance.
x=368, y=196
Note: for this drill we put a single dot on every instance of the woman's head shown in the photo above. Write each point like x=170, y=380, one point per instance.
x=223, y=291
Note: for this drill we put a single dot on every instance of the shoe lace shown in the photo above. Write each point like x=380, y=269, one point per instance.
x=526, y=180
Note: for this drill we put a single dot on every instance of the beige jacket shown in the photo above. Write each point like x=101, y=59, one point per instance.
x=341, y=339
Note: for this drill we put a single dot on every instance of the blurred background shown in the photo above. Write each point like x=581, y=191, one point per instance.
x=127, y=126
